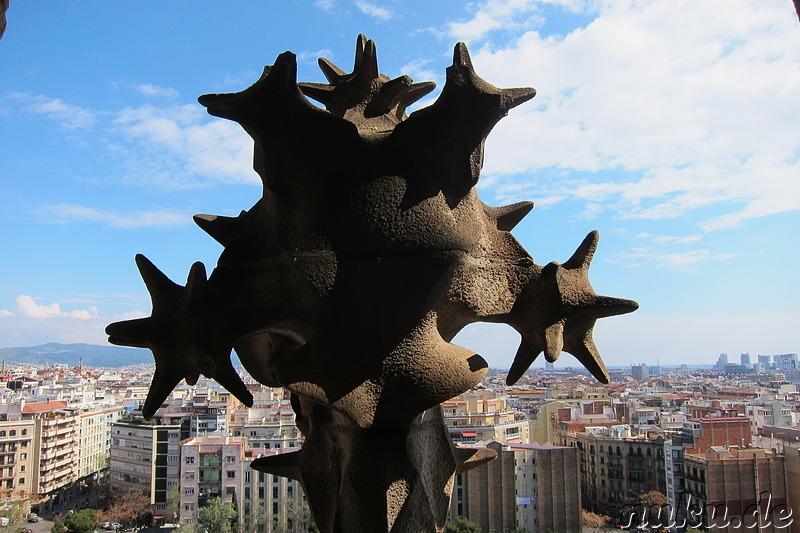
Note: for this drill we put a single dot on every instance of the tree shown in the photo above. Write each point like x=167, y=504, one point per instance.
x=593, y=523
x=130, y=508
x=15, y=510
x=462, y=525
x=84, y=521
x=219, y=516
x=173, y=503
x=652, y=507
x=648, y=499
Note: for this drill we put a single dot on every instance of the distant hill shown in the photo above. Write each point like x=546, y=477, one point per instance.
x=71, y=354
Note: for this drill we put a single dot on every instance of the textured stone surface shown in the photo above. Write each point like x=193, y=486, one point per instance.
x=3, y=9
x=367, y=253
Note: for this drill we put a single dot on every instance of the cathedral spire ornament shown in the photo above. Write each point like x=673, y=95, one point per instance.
x=345, y=283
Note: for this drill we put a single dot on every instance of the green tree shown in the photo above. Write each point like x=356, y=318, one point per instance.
x=462, y=525
x=219, y=516
x=84, y=521
x=173, y=503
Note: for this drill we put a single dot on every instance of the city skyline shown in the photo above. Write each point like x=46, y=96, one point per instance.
x=671, y=127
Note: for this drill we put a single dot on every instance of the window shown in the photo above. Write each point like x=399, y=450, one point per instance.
x=230, y=459
x=190, y=460
x=189, y=475
x=230, y=490
x=231, y=474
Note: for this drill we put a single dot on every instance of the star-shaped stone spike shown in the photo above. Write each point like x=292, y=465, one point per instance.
x=568, y=309
x=178, y=332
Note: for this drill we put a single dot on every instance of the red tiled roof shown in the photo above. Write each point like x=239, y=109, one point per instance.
x=40, y=407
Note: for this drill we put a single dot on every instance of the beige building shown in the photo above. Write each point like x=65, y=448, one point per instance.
x=17, y=465
x=614, y=471
x=145, y=455
x=269, y=423
x=94, y=440
x=482, y=416
x=272, y=503
x=54, y=447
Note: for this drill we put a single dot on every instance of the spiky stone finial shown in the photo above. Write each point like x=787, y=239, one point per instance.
x=365, y=97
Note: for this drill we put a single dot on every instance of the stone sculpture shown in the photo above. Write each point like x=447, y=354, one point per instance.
x=368, y=251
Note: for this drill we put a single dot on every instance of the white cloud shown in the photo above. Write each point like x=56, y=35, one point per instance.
x=374, y=10
x=148, y=89
x=493, y=15
x=638, y=256
x=6, y=313
x=183, y=148
x=692, y=104
x=310, y=56
x=668, y=239
x=67, y=115
x=27, y=307
x=325, y=5
x=135, y=219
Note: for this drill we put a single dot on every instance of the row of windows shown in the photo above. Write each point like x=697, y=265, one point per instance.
x=13, y=432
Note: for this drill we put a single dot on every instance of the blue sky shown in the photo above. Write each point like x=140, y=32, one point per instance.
x=671, y=126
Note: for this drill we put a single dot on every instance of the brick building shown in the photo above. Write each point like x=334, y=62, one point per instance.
x=722, y=431
x=614, y=471
x=736, y=482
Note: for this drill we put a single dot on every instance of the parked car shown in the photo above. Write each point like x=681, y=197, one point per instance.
x=33, y=517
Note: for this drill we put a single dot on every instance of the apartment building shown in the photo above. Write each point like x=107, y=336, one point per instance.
x=208, y=410
x=272, y=503
x=739, y=489
x=269, y=424
x=17, y=464
x=613, y=471
x=483, y=416
x=94, y=440
x=54, y=448
x=145, y=455
x=210, y=467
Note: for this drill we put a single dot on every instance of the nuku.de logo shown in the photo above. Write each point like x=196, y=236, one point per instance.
x=689, y=513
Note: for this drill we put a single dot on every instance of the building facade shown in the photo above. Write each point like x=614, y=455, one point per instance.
x=145, y=456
